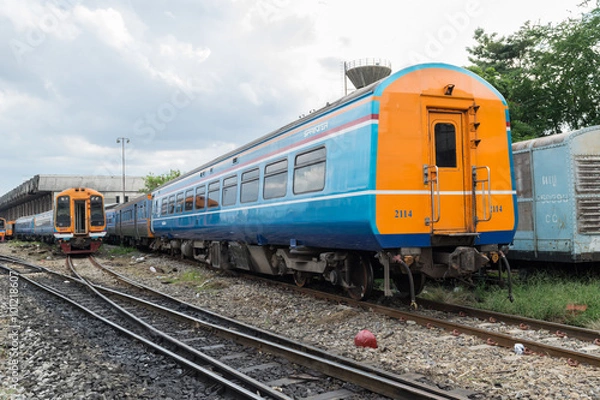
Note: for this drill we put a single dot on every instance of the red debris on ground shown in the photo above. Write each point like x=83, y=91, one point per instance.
x=365, y=338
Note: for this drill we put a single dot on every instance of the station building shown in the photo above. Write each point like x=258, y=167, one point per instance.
x=37, y=194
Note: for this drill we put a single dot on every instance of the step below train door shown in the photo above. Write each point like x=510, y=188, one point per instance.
x=446, y=174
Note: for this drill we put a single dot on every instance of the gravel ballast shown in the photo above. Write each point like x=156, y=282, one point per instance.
x=403, y=347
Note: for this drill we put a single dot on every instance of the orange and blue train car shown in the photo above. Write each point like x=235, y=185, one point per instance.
x=3, y=226
x=77, y=222
x=407, y=178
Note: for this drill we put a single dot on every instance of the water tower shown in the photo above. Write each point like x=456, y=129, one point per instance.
x=365, y=71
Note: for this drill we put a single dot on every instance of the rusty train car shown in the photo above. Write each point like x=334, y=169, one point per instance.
x=77, y=222
x=558, y=186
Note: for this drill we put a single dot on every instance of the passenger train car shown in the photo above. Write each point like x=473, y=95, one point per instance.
x=407, y=178
x=3, y=226
x=129, y=223
x=77, y=222
x=558, y=186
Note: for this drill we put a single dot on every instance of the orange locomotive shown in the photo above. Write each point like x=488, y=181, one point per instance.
x=77, y=222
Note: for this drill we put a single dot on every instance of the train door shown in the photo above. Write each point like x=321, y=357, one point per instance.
x=80, y=216
x=447, y=174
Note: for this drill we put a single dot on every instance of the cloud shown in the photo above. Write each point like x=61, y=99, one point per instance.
x=187, y=81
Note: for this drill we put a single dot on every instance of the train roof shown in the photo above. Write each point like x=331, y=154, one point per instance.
x=554, y=140
x=375, y=88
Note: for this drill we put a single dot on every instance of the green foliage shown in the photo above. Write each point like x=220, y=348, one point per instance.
x=546, y=297
x=152, y=181
x=547, y=73
x=117, y=251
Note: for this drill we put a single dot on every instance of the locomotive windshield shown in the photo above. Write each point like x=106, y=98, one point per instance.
x=63, y=211
x=1, y=224
x=97, y=211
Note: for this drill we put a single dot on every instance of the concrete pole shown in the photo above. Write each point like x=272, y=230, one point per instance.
x=123, y=140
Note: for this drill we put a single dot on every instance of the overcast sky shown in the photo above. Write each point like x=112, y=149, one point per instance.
x=186, y=81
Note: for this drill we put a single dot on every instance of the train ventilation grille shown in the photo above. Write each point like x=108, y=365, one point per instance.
x=587, y=169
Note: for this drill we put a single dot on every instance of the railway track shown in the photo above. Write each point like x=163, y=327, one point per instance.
x=578, y=345
x=241, y=354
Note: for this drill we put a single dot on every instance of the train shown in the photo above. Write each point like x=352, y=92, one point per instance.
x=408, y=178
x=129, y=223
x=77, y=222
x=558, y=188
x=3, y=226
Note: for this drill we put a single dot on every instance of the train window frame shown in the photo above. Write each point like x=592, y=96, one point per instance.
x=200, y=197
x=213, y=194
x=445, y=156
x=63, y=211
x=171, y=205
x=97, y=216
x=179, y=199
x=164, y=206
x=276, y=173
x=229, y=192
x=305, y=164
x=189, y=200
x=249, y=186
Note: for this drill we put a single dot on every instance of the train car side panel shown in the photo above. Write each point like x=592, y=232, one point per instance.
x=559, y=198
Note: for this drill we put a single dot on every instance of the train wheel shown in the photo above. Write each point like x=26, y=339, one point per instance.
x=360, y=274
x=403, y=284
x=301, y=278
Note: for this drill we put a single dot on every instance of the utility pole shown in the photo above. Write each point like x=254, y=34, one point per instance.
x=123, y=140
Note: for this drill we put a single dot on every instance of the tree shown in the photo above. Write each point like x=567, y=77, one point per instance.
x=152, y=181
x=547, y=73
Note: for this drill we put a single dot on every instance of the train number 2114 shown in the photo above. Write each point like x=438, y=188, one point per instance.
x=403, y=214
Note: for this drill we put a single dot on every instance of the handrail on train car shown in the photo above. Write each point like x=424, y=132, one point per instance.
x=432, y=179
x=486, y=195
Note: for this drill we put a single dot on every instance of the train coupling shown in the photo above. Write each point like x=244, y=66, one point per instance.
x=462, y=261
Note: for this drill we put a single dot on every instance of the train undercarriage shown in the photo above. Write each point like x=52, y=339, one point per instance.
x=354, y=271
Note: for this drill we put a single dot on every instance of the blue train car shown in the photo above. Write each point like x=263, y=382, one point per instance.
x=25, y=228
x=129, y=223
x=558, y=186
x=406, y=178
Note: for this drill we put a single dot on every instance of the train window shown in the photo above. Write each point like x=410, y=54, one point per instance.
x=189, y=200
x=63, y=211
x=445, y=145
x=213, y=194
x=309, y=171
x=171, y=204
x=127, y=215
x=163, y=206
x=96, y=211
x=249, y=187
x=229, y=190
x=200, y=197
x=179, y=203
x=275, y=184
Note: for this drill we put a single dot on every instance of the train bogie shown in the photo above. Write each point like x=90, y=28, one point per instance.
x=408, y=176
x=558, y=184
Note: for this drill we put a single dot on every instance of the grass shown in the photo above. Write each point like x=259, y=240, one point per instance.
x=117, y=251
x=540, y=296
x=196, y=277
